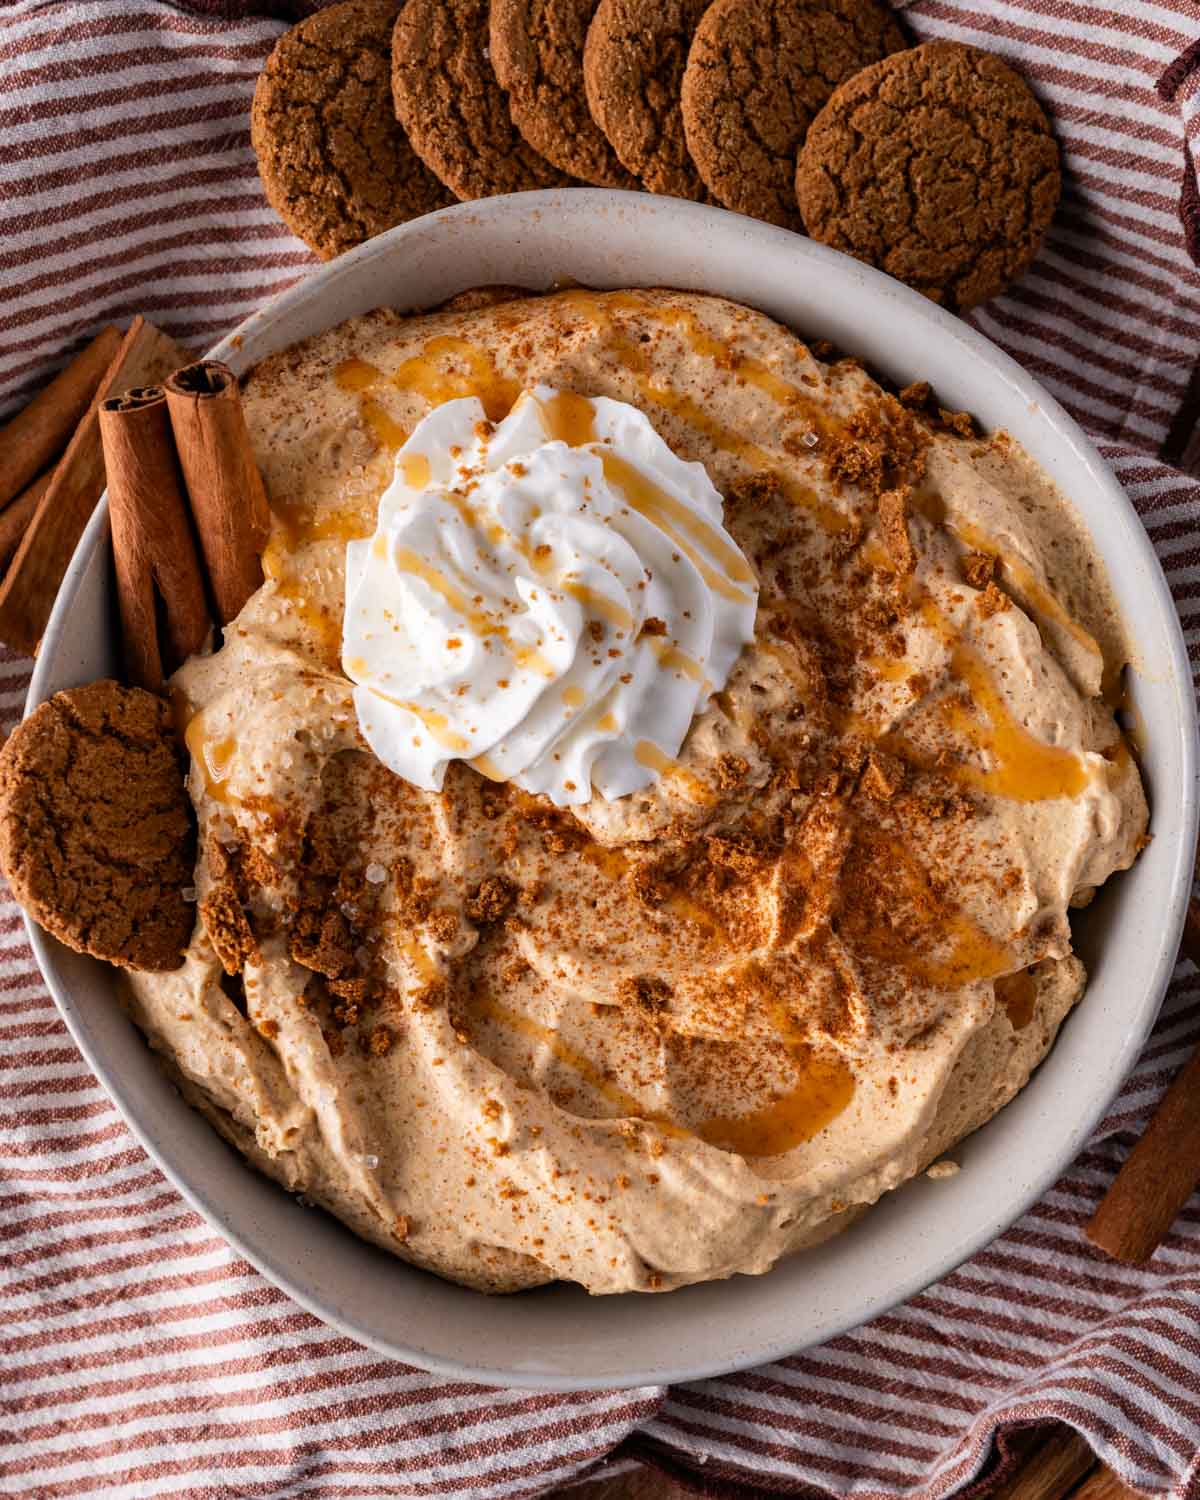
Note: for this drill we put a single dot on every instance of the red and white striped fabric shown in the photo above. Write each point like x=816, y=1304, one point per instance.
x=138, y=1356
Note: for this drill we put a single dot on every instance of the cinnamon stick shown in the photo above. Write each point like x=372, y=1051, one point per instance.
x=160, y=590
x=1163, y=1169
x=224, y=487
x=1158, y=1178
x=16, y=517
x=36, y=436
x=27, y=594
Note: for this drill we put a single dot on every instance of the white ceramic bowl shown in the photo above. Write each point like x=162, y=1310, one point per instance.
x=558, y=1337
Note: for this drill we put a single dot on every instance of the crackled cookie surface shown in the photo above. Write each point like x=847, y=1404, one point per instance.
x=939, y=166
x=335, y=164
x=633, y=64
x=756, y=76
x=537, y=52
x=448, y=98
x=96, y=831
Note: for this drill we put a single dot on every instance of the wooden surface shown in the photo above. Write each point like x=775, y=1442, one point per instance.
x=1055, y=1464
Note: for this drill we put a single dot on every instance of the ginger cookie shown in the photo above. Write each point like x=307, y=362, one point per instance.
x=756, y=77
x=537, y=52
x=97, y=838
x=450, y=102
x=335, y=163
x=633, y=65
x=938, y=166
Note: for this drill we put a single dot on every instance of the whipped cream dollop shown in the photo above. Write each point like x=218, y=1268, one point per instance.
x=552, y=599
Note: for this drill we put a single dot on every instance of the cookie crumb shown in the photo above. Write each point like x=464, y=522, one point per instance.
x=491, y=899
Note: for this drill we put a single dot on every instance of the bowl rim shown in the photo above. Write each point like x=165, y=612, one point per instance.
x=974, y=346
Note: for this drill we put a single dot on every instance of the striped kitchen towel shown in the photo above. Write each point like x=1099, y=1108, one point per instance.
x=139, y=1357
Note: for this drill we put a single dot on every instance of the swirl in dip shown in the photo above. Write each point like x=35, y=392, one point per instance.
x=519, y=1032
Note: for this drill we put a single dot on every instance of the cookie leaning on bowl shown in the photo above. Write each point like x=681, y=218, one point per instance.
x=97, y=836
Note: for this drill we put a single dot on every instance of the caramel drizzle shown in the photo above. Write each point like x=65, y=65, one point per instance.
x=648, y=754
x=824, y=1087
x=421, y=375
x=390, y=434
x=674, y=519
x=317, y=619
x=600, y=605
x=356, y=375
x=600, y=306
x=415, y=469
x=298, y=526
x=294, y=527
x=214, y=757
x=568, y=418
x=674, y=659
x=487, y=768
x=437, y=724
x=1017, y=993
x=530, y=656
x=1024, y=769
x=963, y=952
x=481, y=621
x=1041, y=599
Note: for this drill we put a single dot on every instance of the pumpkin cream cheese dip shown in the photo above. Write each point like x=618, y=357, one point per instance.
x=669, y=848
